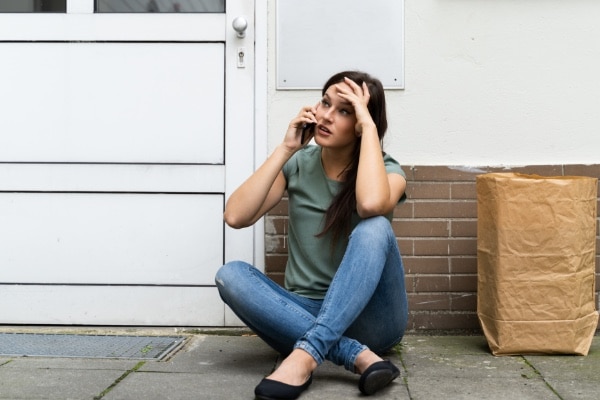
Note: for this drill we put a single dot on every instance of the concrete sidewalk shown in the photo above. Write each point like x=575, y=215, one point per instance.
x=217, y=366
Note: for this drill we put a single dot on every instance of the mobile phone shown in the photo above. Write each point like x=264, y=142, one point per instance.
x=306, y=129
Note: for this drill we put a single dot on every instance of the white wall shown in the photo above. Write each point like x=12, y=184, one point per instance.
x=502, y=82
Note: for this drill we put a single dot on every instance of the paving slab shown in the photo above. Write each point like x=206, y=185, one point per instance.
x=183, y=386
x=207, y=367
x=467, y=388
x=56, y=379
x=222, y=354
x=461, y=367
x=571, y=377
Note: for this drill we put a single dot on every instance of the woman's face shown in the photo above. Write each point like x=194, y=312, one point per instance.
x=335, y=121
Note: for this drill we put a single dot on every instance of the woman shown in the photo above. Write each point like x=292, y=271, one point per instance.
x=345, y=299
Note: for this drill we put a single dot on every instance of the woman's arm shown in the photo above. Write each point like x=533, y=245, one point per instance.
x=265, y=187
x=258, y=194
x=377, y=192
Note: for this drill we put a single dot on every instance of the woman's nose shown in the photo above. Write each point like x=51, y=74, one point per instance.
x=328, y=114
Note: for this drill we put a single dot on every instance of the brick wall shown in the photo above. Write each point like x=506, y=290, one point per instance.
x=436, y=230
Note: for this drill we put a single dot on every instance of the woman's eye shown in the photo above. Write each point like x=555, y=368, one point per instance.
x=345, y=112
x=325, y=103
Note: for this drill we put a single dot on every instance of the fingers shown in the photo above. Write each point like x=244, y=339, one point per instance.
x=353, y=85
x=300, y=129
x=348, y=89
x=307, y=115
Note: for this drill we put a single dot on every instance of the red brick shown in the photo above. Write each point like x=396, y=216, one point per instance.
x=463, y=283
x=432, y=283
x=428, y=190
x=445, y=209
x=406, y=247
x=280, y=209
x=429, y=301
x=463, y=302
x=275, y=263
x=420, y=228
x=583, y=170
x=404, y=210
x=463, y=228
x=410, y=283
x=426, y=265
x=463, y=265
x=463, y=191
x=431, y=247
x=462, y=246
x=446, y=174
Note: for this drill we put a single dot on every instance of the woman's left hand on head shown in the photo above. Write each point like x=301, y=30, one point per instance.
x=358, y=96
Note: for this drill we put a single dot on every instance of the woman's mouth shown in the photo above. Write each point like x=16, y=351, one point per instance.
x=323, y=130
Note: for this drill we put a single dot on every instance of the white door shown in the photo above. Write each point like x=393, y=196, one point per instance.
x=121, y=136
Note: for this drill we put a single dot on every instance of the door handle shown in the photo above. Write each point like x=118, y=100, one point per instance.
x=239, y=25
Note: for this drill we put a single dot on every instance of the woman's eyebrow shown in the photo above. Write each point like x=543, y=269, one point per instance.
x=342, y=103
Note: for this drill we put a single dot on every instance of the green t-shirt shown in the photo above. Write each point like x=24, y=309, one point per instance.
x=312, y=262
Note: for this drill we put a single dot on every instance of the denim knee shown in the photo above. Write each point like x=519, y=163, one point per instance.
x=374, y=228
x=228, y=275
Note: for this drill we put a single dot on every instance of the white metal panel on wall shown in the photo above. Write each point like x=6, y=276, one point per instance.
x=123, y=135
x=316, y=39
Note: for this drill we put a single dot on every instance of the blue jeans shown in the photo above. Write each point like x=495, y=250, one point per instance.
x=365, y=305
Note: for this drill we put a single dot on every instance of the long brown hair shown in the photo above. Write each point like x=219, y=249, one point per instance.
x=339, y=213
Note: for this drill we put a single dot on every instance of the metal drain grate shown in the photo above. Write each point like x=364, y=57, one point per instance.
x=87, y=346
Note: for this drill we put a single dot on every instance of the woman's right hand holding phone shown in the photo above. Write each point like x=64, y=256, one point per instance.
x=301, y=129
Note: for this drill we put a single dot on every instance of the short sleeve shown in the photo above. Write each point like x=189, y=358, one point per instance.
x=393, y=167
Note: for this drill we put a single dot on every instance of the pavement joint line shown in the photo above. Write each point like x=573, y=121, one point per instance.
x=4, y=363
x=538, y=373
x=398, y=349
x=119, y=379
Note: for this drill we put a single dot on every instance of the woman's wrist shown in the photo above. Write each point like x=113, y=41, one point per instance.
x=284, y=152
x=368, y=129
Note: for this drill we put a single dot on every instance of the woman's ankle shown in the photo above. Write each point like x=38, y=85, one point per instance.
x=364, y=360
x=295, y=369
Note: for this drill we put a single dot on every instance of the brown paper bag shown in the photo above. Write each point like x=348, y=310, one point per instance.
x=536, y=248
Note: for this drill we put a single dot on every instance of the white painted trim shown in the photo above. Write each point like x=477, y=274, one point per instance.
x=112, y=27
x=113, y=178
x=261, y=79
x=239, y=89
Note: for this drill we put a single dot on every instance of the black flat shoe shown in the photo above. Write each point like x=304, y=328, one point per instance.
x=377, y=376
x=269, y=389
